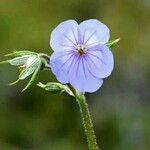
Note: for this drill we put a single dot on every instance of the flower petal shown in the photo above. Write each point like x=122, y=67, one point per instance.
x=94, y=32
x=60, y=63
x=81, y=79
x=100, y=61
x=64, y=36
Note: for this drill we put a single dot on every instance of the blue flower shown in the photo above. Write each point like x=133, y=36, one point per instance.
x=80, y=55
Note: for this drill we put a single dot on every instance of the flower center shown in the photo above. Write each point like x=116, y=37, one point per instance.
x=81, y=49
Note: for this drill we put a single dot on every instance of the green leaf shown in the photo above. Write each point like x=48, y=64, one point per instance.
x=56, y=88
x=110, y=44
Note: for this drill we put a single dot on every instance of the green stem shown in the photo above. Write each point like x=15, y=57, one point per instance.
x=87, y=122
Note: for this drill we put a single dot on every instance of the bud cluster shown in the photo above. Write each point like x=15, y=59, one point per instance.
x=29, y=63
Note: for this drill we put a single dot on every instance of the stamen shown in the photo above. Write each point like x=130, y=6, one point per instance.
x=81, y=49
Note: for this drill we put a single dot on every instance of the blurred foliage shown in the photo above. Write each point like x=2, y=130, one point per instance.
x=120, y=110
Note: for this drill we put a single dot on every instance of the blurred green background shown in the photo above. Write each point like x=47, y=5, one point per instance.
x=38, y=120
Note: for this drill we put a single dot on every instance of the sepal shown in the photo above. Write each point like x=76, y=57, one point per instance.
x=29, y=63
x=56, y=88
x=112, y=43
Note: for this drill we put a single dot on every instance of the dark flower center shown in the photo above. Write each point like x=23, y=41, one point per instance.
x=81, y=49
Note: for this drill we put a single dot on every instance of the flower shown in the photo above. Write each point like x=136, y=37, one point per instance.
x=81, y=56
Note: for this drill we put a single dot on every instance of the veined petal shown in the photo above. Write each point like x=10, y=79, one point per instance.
x=64, y=36
x=60, y=64
x=94, y=32
x=81, y=78
x=100, y=61
x=80, y=56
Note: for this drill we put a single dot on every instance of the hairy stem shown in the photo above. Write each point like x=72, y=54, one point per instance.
x=87, y=122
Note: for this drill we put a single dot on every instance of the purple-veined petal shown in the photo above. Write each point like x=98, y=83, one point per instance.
x=60, y=64
x=64, y=36
x=100, y=61
x=85, y=72
x=81, y=77
x=94, y=32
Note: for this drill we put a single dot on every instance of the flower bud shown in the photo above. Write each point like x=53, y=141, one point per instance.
x=55, y=88
x=29, y=63
x=52, y=87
